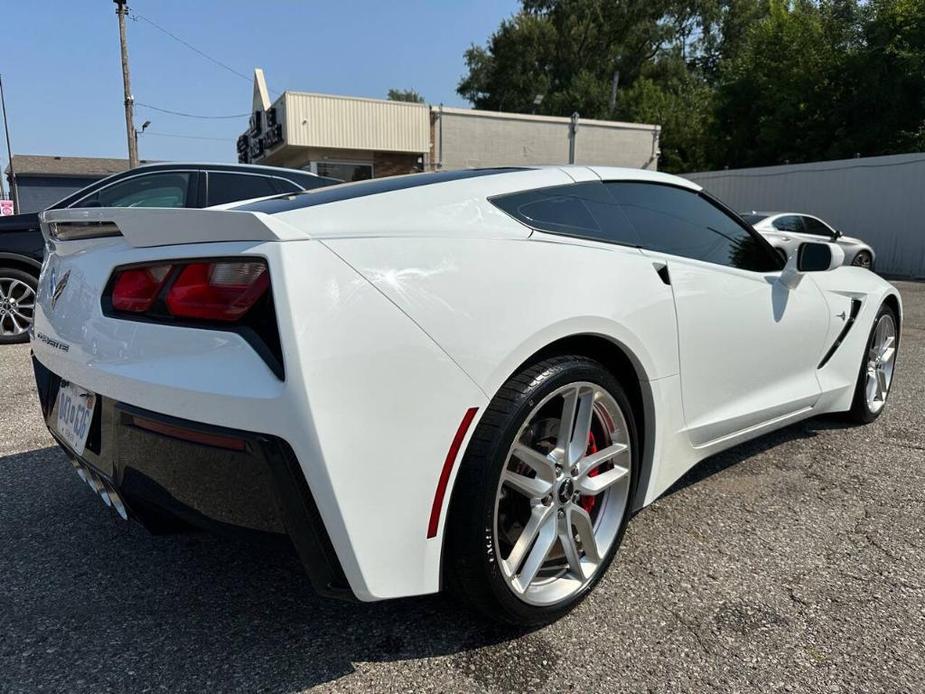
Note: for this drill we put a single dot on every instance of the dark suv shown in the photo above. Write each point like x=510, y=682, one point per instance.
x=155, y=185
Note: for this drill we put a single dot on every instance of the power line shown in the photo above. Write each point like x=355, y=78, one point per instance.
x=190, y=137
x=135, y=16
x=190, y=115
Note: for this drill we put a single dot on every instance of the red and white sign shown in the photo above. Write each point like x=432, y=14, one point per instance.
x=6, y=208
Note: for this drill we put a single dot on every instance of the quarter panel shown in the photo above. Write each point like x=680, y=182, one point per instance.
x=491, y=304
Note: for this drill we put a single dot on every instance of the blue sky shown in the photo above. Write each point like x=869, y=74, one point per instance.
x=63, y=81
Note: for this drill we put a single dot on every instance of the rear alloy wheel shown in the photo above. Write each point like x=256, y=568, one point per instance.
x=17, y=304
x=544, y=492
x=876, y=376
x=863, y=259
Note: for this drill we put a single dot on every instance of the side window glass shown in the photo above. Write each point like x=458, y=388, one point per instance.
x=816, y=228
x=682, y=222
x=229, y=187
x=585, y=210
x=153, y=190
x=790, y=223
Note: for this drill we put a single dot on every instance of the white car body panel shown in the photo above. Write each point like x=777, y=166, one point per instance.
x=398, y=312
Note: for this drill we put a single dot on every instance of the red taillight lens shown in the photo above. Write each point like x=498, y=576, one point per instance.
x=136, y=288
x=222, y=291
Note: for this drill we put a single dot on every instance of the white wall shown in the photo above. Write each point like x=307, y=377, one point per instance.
x=473, y=138
x=878, y=199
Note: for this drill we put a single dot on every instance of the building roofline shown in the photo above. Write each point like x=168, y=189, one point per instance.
x=478, y=113
x=343, y=97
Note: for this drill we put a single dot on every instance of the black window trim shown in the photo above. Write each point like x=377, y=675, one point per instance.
x=721, y=206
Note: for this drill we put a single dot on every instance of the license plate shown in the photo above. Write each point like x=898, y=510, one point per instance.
x=75, y=413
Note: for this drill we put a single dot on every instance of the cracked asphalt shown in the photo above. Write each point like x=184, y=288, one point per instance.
x=795, y=562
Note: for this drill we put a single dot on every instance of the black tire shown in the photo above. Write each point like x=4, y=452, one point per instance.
x=863, y=259
x=860, y=411
x=8, y=273
x=470, y=567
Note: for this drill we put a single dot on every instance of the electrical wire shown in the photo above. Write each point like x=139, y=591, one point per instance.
x=134, y=16
x=190, y=115
x=188, y=137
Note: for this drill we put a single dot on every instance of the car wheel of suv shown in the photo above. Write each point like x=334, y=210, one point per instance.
x=543, y=493
x=17, y=303
x=863, y=259
x=876, y=374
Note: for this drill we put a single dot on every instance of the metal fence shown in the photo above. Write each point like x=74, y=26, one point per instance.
x=878, y=199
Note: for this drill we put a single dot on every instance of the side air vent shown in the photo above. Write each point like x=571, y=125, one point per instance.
x=855, y=309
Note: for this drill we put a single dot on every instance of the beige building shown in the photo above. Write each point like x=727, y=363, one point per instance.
x=354, y=138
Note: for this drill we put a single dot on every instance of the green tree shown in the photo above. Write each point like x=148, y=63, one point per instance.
x=405, y=95
x=573, y=51
x=732, y=82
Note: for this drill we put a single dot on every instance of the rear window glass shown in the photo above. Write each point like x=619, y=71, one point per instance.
x=578, y=209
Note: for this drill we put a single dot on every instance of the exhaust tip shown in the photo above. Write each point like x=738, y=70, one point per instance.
x=106, y=491
x=118, y=504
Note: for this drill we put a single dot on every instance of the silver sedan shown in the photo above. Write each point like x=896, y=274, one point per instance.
x=787, y=230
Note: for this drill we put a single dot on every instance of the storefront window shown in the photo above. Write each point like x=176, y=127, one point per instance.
x=345, y=171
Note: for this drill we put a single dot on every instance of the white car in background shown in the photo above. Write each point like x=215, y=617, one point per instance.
x=787, y=230
x=464, y=379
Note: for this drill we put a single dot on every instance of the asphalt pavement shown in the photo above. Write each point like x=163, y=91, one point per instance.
x=794, y=563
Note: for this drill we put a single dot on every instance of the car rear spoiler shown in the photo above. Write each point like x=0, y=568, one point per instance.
x=147, y=227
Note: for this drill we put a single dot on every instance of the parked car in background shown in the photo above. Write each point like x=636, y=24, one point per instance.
x=787, y=230
x=153, y=185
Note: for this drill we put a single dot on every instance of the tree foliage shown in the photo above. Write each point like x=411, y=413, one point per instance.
x=405, y=95
x=731, y=82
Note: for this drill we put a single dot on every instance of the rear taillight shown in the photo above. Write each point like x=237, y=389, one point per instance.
x=216, y=290
x=136, y=289
x=207, y=294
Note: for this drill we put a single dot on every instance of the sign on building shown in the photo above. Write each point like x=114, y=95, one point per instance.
x=264, y=133
x=6, y=208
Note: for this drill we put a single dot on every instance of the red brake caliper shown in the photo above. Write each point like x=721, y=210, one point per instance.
x=588, y=502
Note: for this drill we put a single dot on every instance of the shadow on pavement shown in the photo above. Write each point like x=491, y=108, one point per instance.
x=90, y=602
x=726, y=459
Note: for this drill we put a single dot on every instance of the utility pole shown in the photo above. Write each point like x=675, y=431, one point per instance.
x=572, y=133
x=14, y=189
x=614, y=85
x=121, y=11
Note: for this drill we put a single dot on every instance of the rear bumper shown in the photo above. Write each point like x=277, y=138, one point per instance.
x=241, y=483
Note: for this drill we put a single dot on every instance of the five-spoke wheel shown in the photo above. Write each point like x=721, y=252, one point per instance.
x=876, y=373
x=544, y=491
x=562, y=493
x=17, y=304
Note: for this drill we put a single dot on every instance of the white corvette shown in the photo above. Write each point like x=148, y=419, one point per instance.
x=467, y=379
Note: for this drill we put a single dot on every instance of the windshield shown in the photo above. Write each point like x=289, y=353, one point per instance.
x=753, y=218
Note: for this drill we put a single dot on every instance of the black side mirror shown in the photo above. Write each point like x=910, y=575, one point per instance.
x=814, y=257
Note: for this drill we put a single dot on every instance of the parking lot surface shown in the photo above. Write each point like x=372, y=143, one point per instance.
x=795, y=562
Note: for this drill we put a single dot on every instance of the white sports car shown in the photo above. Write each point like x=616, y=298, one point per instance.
x=465, y=379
